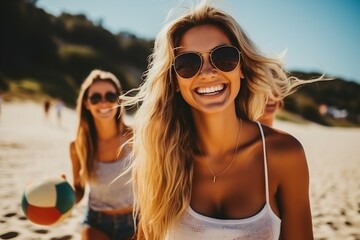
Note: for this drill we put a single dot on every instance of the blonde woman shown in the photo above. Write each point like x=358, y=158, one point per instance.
x=97, y=161
x=204, y=168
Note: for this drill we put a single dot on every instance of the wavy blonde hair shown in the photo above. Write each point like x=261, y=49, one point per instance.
x=164, y=137
x=86, y=136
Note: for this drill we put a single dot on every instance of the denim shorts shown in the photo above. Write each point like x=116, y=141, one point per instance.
x=117, y=227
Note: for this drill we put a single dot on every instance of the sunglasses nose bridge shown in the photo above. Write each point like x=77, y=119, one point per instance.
x=206, y=62
x=103, y=99
x=99, y=98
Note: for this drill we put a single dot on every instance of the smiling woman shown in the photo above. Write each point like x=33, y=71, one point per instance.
x=213, y=92
x=96, y=159
x=204, y=168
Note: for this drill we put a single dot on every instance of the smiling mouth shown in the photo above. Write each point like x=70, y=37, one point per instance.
x=211, y=90
x=104, y=110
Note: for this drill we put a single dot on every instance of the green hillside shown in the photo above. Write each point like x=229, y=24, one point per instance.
x=43, y=55
x=340, y=98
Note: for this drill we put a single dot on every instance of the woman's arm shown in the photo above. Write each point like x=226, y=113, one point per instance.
x=294, y=203
x=79, y=189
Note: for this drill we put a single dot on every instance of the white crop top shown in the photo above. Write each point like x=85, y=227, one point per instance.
x=265, y=225
x=109, y=190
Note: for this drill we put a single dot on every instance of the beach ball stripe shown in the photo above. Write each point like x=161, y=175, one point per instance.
x=24, y=203
x=42, y=193
x=43, y=215
x=64, y=202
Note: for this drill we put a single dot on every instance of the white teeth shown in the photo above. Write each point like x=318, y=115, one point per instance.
x=210, y=90
x=106, y=110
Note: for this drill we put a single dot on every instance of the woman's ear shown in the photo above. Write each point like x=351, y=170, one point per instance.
x=241, y=74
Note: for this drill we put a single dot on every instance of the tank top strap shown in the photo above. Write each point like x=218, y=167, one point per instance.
x=265, y=163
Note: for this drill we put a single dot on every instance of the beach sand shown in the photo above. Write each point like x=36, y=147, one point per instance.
x=32, y=147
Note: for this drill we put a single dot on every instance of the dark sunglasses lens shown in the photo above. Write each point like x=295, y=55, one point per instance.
x=187, y=64
x=95, y=98
x=111, y=97
x=225, y=58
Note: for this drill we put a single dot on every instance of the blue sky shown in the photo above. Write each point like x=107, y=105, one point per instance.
x=319, y=35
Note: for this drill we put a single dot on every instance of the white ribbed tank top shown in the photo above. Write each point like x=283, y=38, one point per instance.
x=111, y=189
x=265, y=225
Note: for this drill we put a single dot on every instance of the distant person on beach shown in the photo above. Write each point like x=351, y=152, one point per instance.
x=270, y=110
x=203, y=167
x=59, y=105
x=97, y=159
x=47, y=104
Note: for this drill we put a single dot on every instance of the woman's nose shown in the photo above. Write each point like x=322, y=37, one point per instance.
x=207, y=68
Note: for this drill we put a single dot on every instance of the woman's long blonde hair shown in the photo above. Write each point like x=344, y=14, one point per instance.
x=164, y=137
x=86, y=137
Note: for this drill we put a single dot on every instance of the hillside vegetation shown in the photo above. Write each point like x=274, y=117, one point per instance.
x=43, y=55
x=53, y=55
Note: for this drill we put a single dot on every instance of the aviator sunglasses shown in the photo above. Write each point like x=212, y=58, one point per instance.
x=224, y=58
x=109, y=97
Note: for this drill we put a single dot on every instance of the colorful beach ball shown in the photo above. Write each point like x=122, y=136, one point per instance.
x=48, y=201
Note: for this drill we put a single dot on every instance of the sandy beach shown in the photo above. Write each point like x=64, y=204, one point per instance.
x=32, y=147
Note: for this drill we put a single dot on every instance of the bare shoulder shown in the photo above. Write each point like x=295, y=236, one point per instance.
x=281, y=141
x=72, y=150
x=285, y=153
x=72, y=146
